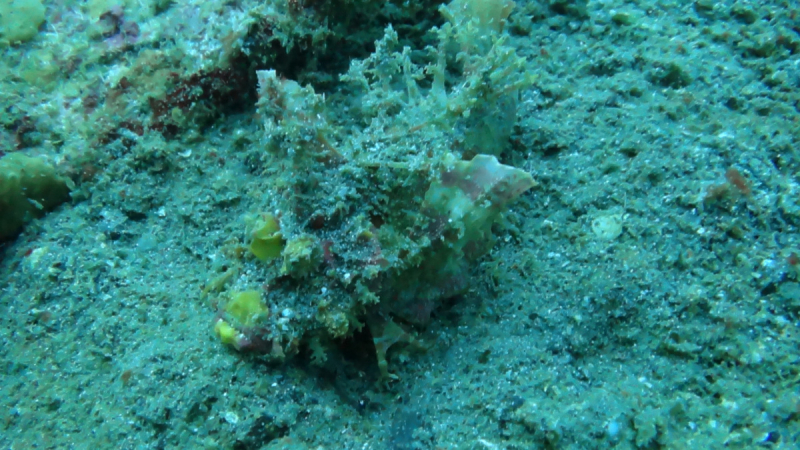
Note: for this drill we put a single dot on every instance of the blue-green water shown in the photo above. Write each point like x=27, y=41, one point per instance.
x=546, y=224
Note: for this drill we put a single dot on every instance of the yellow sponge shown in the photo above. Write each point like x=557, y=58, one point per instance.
x=243, y=313
x=227, y=334
x=267, y=241
x=246, y=308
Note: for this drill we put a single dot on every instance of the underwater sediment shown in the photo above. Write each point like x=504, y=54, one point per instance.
x=355, y=224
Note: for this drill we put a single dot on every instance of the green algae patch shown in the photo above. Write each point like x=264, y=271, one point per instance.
x=20, y=20
x=29, y=187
